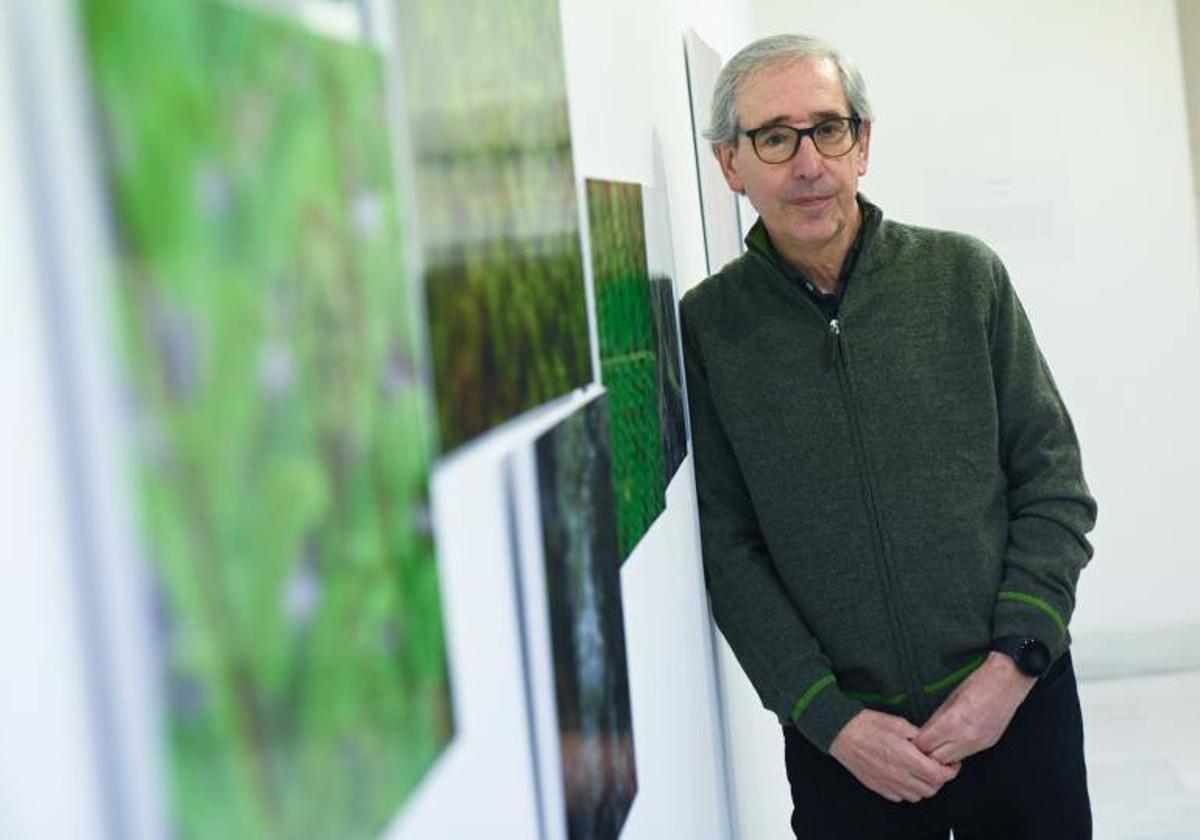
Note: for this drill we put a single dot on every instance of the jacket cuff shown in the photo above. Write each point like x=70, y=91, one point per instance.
x=1030, y=616
x=822, y=711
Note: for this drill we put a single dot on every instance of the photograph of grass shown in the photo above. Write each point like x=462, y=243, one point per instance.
x=628, y=354
x=281, y=431
x=495, y=183
x=587, y=625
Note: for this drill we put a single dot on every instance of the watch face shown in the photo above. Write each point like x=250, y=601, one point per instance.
x=1033, y=658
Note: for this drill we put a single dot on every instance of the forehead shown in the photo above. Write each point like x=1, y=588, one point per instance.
x=791, y=91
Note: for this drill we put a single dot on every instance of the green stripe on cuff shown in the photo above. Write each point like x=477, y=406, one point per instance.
x=1034, y=601
x=877, y=699
x=958, y=676
x=807, y=697
x=933, y=688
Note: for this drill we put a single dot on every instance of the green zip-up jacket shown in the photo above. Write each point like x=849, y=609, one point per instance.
x=884, y=494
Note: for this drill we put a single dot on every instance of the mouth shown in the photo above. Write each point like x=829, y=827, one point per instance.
x=809, y=202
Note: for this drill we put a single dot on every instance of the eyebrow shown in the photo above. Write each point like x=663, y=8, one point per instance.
x=814, y=117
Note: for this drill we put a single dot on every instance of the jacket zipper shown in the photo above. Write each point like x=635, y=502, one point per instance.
x=909, y=676
x=835, y=332
x=837, y=360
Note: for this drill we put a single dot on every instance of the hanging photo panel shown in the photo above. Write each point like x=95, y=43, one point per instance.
x=579, y=683
x=718, y=205
x=660, y=257
x=628, y=354
x=499, y=224
x=278, y=418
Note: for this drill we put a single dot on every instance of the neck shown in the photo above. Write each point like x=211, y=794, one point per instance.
x=822, y=262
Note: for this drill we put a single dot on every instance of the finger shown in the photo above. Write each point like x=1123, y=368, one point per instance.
x=931, y=769
x=927, y=744
x=915, y=791
x=937, y=734
x=922, y=788
x=947, y=773
x=951, y=752
x=934, y=733
x=934, y=780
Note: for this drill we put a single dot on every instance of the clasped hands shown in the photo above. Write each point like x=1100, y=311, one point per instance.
x=902, y=763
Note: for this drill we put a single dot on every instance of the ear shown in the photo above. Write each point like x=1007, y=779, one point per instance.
x=864, y=148
x=725, y=153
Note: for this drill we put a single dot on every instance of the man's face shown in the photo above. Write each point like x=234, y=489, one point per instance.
x=807, y=202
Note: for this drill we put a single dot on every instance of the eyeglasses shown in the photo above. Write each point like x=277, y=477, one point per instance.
x=833, y=138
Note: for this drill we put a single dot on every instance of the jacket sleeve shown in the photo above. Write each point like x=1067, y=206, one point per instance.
x=1049, y=506
x=779, y=654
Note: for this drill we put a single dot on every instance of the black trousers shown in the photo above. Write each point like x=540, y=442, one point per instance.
x=1032, y=785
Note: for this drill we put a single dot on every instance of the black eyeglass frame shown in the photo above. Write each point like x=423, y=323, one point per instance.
x=854, y=122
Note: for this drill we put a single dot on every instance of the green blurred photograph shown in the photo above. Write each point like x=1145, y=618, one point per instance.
x=499, y=226
x=629, y=357
x=281, y=430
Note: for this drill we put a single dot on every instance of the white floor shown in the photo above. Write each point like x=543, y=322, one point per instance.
x=1142, y=739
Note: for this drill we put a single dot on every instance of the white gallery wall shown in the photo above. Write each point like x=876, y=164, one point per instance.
x=1056, y=132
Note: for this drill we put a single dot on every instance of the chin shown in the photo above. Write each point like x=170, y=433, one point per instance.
x=815, y=233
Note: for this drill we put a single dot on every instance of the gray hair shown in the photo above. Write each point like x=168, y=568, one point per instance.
x=772, y=50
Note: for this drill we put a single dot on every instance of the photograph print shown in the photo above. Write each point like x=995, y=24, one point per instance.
x=281, y=435
x=628, y=354
x=671, y=408
x=660, y=258
x=587, y=635
x=486, y=104
x=718, y=206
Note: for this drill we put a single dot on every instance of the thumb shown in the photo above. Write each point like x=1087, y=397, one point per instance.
x=927, y=738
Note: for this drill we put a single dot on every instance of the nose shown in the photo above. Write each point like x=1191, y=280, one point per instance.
x=807, y=162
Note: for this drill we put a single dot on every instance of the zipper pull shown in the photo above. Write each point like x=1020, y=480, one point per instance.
x=835, y=333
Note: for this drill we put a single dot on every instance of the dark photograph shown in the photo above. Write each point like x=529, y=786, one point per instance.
x=671, y=408
x=583, y=590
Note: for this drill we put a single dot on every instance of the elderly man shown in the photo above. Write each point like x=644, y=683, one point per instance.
x=892, y=504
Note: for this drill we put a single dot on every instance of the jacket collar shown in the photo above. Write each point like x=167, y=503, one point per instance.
x=759, y=241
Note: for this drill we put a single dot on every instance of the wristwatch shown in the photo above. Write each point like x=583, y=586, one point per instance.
x=1032, y=657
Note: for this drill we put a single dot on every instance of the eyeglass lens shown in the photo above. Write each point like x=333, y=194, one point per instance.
x=779, y=143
